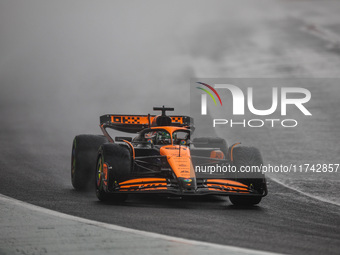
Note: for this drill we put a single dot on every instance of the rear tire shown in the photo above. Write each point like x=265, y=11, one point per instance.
x=118, y=160
x=83, y=161
x=248, y=156
x=211, y=142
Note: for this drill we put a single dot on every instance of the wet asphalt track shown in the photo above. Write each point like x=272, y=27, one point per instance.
x=285, y=221
x=46, y=99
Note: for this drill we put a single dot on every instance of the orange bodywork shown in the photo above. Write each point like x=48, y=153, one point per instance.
x=132, y=148
x=178, y=156
x=226, y=185
x=217, y=154
x=231, y=151
x=105, y=173
x=144, y=186
x=179, y=159
x=227, y=182
x=143, y=180
x=170, y=129
x=140, y=119
x=226, y=190
x=144, y=183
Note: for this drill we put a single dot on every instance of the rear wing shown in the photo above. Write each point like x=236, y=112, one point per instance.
x=136, y=123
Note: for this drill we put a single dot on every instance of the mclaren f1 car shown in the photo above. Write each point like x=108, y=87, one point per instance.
x=162, y=158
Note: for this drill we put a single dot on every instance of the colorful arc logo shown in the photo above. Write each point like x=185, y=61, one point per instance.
x=209, y=93
x=204, y=97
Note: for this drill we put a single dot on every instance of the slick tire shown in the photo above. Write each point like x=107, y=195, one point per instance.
x=118, y=161
x=83, y=160
x=248, y=156
x=211, y=142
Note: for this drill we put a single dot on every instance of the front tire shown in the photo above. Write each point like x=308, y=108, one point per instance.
x=245, y=200
x=116, y=160
x=83, y=159
x=249, y=157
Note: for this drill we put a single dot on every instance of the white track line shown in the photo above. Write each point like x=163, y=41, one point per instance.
x=304, y=193
x=228, y=249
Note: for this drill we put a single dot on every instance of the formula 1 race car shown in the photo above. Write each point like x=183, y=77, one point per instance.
x=163, y=159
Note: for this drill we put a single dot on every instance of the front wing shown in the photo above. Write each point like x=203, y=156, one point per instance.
x=199, y=187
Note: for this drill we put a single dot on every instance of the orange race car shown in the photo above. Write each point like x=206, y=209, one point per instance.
x=163, y=159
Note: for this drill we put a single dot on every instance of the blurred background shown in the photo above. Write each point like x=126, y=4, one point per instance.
x=65, y=63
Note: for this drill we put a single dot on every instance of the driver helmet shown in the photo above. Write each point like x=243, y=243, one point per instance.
x=163, y=136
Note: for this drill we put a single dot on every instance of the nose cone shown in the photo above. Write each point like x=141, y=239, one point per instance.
x=188, y=185
x=179, y=160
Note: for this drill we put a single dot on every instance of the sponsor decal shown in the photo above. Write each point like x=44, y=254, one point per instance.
x=187, y=180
